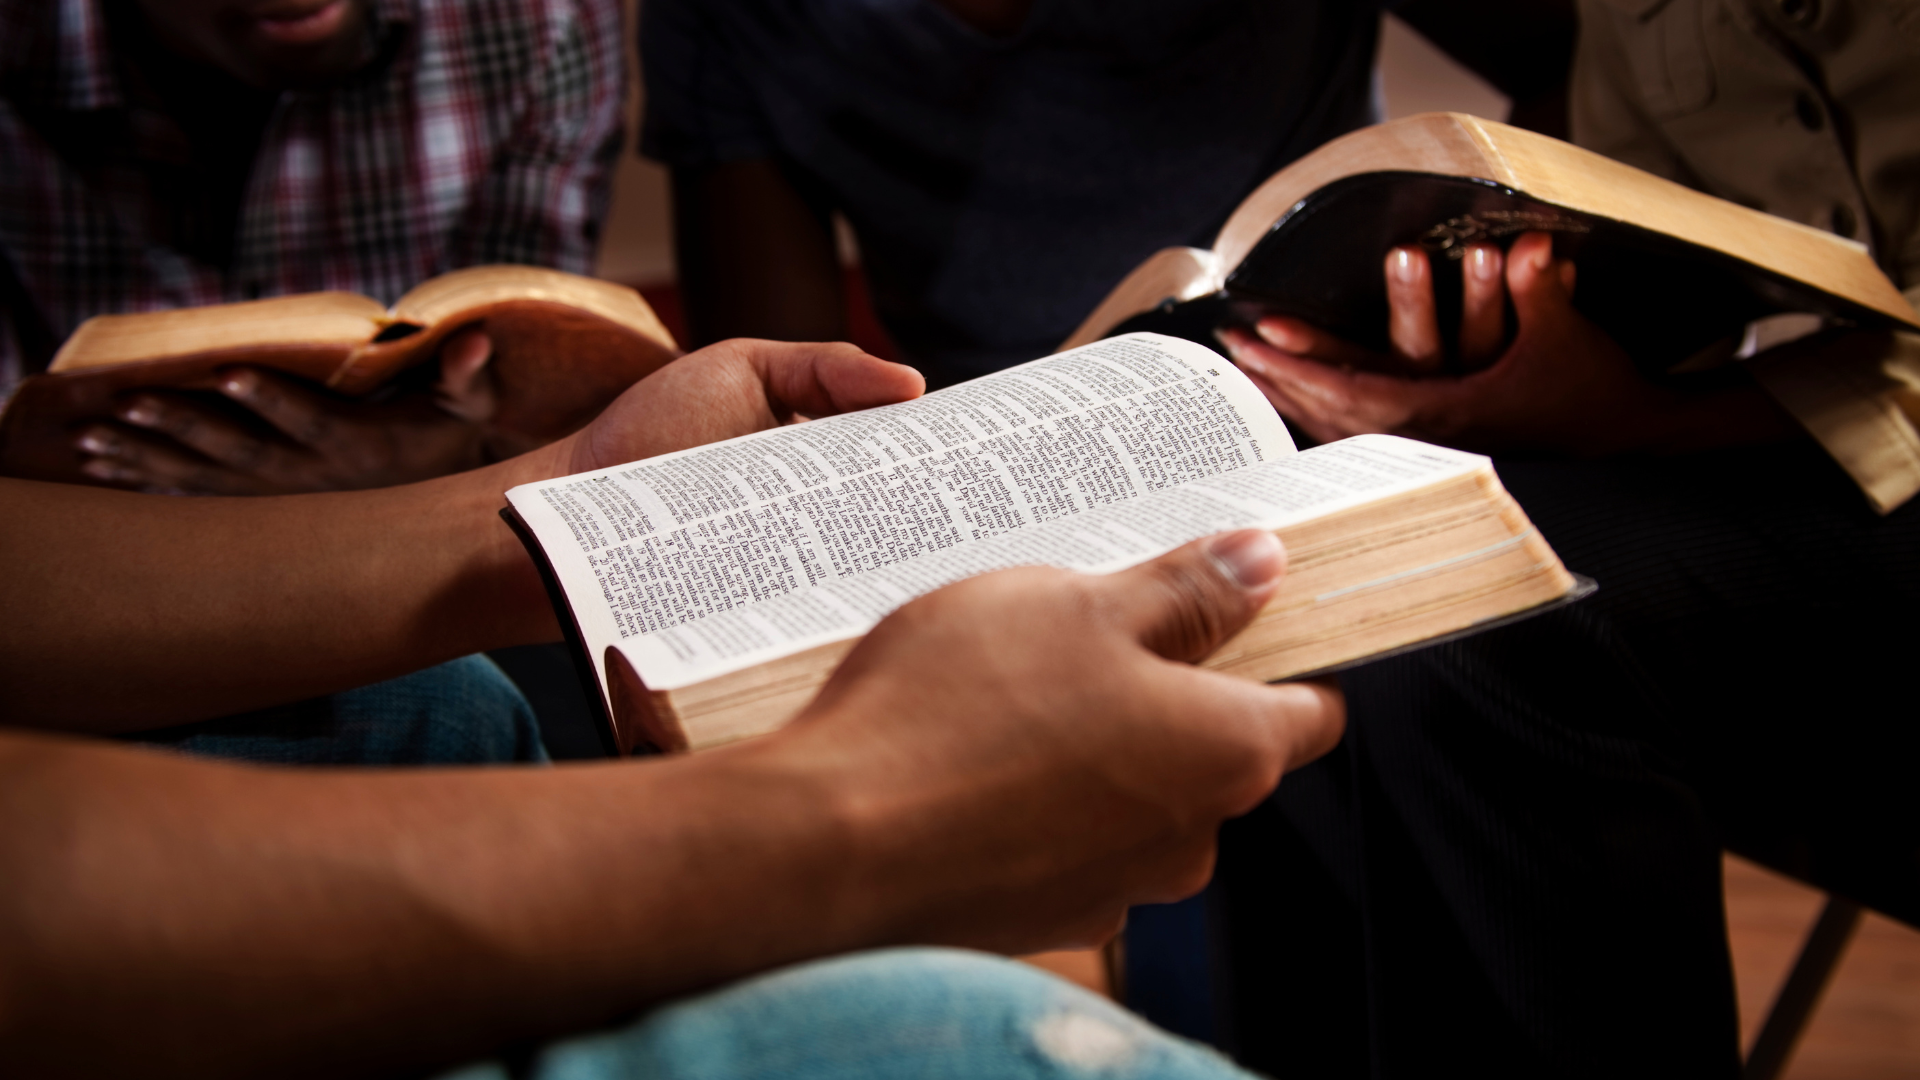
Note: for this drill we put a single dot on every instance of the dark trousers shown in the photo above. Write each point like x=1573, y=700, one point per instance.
x=1511, y=864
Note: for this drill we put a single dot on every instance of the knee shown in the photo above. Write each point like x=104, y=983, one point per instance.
x=903, y=1012
x=462, y=712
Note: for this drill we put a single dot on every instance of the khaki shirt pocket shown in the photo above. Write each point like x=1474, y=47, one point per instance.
x=1665, y=43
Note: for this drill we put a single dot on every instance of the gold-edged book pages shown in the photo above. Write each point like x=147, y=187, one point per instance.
x=1361, y=582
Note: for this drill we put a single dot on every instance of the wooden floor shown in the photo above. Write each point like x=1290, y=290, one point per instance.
x=1867, y=1027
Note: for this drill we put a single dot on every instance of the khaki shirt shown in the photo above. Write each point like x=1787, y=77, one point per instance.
x=1808, y=109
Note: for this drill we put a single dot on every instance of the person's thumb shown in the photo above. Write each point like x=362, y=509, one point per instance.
x=824, y=379
x=1186, y=603
x=464, y=390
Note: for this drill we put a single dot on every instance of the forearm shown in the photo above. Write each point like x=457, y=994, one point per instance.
x=1736, y=413
x=126, y=611
x=219, y=920
x=132, y=611
x=953, y=783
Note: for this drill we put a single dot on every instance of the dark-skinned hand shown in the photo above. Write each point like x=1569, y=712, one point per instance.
x=1560, y=386
x=314, y=441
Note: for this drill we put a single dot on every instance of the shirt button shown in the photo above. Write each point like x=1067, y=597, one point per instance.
x=1800, y=11
x=1844, y=222
x=1809, y=112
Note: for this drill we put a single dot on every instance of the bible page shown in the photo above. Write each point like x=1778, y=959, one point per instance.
x=665, y=541
x=1270, y=495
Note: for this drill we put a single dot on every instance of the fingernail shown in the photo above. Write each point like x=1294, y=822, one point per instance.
x=1251, y=558
x=95, y=443
x=1400, y=265
x=239, y=384
x=101, y=469
x=1483, y=263
x=141, y=413
x=1280, y=335
x=1246, y=361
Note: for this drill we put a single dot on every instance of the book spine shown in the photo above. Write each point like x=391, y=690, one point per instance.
x=583, y=665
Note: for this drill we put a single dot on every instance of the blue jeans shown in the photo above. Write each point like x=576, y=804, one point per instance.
x=928, y=1014
x=463, y=712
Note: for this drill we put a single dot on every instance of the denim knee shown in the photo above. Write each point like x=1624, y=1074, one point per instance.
x=941, y=1014
x=463, y=712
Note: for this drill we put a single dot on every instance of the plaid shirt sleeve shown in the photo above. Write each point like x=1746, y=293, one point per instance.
x=545, y=194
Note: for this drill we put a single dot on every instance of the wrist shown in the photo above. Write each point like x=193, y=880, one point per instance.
x=886, y=870
x=1740, y=414
x=497, y=590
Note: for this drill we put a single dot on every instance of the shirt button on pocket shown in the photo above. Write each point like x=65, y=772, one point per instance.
x=1802, y=12
x=1812, y=117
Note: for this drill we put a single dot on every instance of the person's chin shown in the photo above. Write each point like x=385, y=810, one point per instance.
x=300, y=43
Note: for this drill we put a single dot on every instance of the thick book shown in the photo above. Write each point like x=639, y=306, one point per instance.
x=1675, y=275
x=708, y=593
x=564, y=346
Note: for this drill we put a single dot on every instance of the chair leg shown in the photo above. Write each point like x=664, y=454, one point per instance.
x=1801, y=993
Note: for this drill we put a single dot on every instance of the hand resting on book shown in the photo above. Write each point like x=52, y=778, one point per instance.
x=1558, y=384
x=305, y=439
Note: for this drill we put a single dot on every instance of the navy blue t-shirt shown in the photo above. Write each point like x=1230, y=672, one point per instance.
x=1000, y=187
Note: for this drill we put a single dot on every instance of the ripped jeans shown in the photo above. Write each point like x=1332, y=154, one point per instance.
x=938, y=1014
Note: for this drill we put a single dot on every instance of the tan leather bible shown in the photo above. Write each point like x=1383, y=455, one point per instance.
x=709, y=593
x=563, y=347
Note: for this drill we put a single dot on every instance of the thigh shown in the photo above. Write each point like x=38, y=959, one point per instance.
x=1528, y=822
x=1775, y=613
x=1765, y=616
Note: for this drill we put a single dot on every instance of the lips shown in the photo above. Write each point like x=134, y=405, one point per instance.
x=300, y=22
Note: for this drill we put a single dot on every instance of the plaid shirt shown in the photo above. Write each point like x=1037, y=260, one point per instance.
x=480, y=131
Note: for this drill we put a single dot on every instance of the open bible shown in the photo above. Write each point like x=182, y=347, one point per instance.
x=708, y=593
x=563, y=346
x=1675, y=275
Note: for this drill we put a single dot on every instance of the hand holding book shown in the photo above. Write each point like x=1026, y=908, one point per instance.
x=474, y=365
x=1560, y=384
x=1015, y=709
x=216, y=606
x=292, y=437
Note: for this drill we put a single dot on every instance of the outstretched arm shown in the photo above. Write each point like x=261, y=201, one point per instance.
x=1005, y=764
x=137, y=611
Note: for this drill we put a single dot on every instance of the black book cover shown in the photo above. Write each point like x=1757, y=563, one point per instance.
x=1662, y=299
